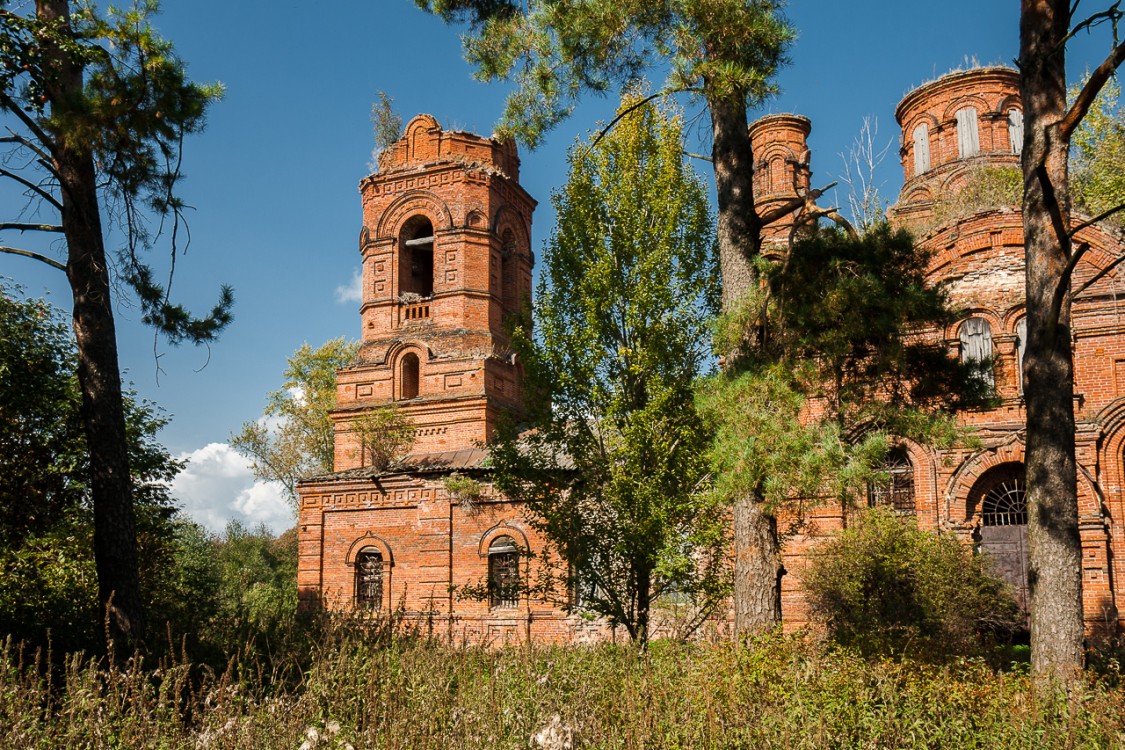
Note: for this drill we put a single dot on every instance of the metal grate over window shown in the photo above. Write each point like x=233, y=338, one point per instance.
x=897, y=489
x=1005, y=504
x=369, y=579
x=503, y=573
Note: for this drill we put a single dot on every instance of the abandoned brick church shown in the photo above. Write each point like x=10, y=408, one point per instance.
x=446, y=249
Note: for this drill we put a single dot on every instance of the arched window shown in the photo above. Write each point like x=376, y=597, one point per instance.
x=976, y=346
x=1005, y=503
x=369, y=579
x=1015, y=130
x=509, y=285
x=968, y=141
x=503, y=573
x=416, y=258
x=921, y=149
x=1021, y=347
x=897, y=489
x=1001, y=496
x=408, y=376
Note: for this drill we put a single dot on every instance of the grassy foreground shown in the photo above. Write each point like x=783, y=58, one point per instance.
x=415, y=695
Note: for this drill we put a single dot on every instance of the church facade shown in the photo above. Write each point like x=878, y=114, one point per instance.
x=446, y=248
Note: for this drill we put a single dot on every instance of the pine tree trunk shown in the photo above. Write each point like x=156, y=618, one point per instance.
x=757, y=556
x=1054, y=545
x=757, y=569
x=99, y=376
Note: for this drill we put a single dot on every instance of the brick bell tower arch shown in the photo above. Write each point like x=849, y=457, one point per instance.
x=446, y=252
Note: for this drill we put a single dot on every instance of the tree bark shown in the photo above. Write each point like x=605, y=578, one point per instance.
x=757, y=568
x=757, y=555
x=99, y=375
x=1054, y=545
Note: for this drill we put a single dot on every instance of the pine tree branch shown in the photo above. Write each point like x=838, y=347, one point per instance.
x=792, y=205
x=33, y=187
x=6, y=102
x=44, y=158
x=30, y=227
x=29, y=254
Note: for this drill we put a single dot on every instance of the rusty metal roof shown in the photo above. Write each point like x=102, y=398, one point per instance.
x=466, y=459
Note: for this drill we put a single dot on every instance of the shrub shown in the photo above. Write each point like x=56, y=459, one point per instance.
x=885, y=586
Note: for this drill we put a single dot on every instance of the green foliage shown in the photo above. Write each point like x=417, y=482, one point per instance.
x=616, y=447
x=294, y=437
x=983, y=188
x=387, y=124
x=555, y=50
x=466, y=490
x=770, y=693
x=130, y=112
x=836, y=371
x=885, y=586
x=1097, y=156
x=384, y=434
x=46, y=545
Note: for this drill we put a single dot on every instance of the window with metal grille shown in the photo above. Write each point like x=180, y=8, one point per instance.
x=503, y=573
x=897, y=488
x=1005, y=504
x=369, y=579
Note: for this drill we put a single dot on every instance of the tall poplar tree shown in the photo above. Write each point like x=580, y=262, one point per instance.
x=610, y=465
x=724, y=52
x=95, y=107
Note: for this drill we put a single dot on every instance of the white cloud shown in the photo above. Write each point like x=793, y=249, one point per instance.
x=352, y=291
x=217, y=486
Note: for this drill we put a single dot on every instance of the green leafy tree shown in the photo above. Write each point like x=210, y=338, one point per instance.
x=48, y=581
x=724, y=53
x=384, y=434
x=295, y=437
x=1097, y=156
x=616, y=447
x=885, y=586
x=95, y=106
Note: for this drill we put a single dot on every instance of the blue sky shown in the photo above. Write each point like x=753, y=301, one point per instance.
x=273, y=180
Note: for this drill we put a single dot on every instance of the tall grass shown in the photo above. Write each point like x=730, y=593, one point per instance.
x=412, y=694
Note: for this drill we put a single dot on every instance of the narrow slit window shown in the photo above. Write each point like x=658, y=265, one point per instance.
x=968, y=139
x=1021, y=347
x=921, y=149
x=369, y=579
x=1015, y=130
x=503, y=573
x=409, y=376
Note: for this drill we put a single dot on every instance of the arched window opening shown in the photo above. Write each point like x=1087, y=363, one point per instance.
x=777, y=175
x=1015, y=130
x=369, y=579
x=921, y=149
x=976, y=347
x=503, y=573
x=968, y=140
x=416, y=258
x=509, y=288
x=1021, y=347
x=408, y=376
x=896, y=490
x=1001, y=496
x=1005, y=504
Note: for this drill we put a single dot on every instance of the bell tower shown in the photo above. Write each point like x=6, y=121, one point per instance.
x=446, y=248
